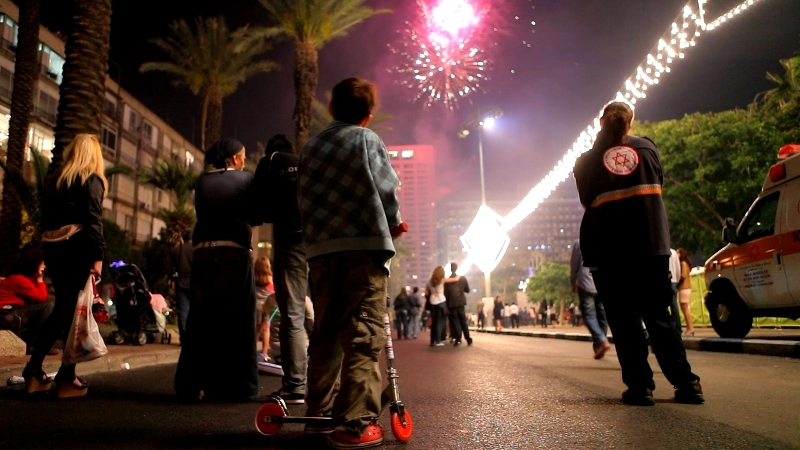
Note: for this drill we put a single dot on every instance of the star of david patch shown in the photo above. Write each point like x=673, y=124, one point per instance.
x=621, y=160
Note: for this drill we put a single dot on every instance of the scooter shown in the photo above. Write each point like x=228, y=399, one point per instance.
x=273, y=414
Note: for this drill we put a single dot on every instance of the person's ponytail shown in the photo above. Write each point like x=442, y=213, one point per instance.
x=616, y=122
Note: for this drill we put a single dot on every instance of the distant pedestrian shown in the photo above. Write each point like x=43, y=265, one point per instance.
x=543, y=312
x=497, y=313
x=592, y=310
x=438, y=305
x=264, y=288
x=424, y=318
x=414, y=308
x=685, y=290
x=625, y=243
x=181, y=258
x=513, y=313
x=456, y=302
x=481, y=315
x=675, y=278
x=401, y=313
x=350, y=212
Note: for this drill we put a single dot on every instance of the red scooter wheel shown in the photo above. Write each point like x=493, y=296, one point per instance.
x=265, y=418
x=402, y=433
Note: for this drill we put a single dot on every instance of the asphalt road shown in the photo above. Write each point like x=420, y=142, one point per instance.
x=504, y=392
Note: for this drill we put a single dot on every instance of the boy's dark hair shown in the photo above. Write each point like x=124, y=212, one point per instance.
x=279, y=143
x=28, y=263
x=352, y=100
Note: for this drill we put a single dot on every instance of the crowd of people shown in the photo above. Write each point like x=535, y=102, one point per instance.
x=335, y=213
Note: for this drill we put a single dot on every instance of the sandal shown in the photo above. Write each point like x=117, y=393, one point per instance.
x=36, y=381
x=67, y=389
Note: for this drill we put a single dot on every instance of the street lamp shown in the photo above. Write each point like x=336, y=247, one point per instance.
x=484, y=118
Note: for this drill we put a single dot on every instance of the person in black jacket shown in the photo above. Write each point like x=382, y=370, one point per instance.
x=625, y=243
x=72, y=220
x=275, y=197
x=456, y=302
x=401, y=314
x=414, y=308
x=218, y=360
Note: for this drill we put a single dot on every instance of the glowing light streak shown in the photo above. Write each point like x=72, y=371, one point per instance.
x=485, y=257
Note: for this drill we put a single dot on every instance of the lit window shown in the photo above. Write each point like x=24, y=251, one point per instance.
x=407, y=154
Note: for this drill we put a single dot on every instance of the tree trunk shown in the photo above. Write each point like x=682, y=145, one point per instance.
x=212, y=127
x=80, y=108
x=203, y=119
x=26, y=73
x=306, y=74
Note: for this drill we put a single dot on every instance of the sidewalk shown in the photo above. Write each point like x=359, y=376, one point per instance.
x=783, y=342
x=119, y=357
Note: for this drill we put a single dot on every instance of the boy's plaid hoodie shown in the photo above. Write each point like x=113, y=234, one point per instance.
x=346, y=192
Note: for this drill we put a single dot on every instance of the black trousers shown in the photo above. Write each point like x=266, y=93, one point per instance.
x=438, y=323
x=458, y=320
x=69, y=273
x=636, y=292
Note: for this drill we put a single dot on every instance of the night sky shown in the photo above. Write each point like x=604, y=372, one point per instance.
x=565, y=67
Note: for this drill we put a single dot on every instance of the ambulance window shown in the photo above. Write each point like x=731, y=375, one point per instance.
x=760, y=222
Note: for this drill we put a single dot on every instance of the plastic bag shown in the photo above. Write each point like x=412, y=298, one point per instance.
x=84, y=342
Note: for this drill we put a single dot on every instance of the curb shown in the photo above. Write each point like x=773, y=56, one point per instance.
x=765, y=347
x=108, y=363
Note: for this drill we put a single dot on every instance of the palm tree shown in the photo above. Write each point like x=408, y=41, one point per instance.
x=321, y=117
x=82, y=91
x=26, y=72
x=787, y=90
x=178, y=180
x=212, y=62
x=312, y=24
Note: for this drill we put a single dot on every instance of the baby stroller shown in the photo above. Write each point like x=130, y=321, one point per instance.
x=136, y=318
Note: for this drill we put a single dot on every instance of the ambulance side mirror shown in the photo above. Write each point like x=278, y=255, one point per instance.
x=729, y=232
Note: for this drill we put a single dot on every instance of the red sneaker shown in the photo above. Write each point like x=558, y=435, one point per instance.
x=373, y=437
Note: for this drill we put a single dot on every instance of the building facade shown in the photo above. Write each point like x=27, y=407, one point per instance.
x=415, y=166
x=132, y=134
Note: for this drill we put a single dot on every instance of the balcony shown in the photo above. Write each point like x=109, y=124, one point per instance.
x=110, y=110
x=8, y=45
x=129, y=160
x=110, y=152
x=5, y=94
x=45, y=115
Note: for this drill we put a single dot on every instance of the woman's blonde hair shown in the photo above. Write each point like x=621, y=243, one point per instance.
x=437, y=276
x=263, y=271
x=82, y=158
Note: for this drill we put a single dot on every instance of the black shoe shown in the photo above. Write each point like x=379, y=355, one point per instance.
x=469, y=341
x=691, y=394
x=456, y=343
x=290, y=399
x=638, y=397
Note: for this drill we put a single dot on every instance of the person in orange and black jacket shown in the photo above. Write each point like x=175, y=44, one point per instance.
x=625, y=243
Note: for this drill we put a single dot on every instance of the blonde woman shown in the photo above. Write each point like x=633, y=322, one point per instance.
x=72, y=211
x=435, y=293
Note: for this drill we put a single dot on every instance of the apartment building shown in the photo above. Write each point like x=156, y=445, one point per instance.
x=415, y=166
x=132, y=134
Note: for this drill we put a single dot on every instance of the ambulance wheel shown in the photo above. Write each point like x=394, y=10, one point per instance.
x=730, y=317
x=118, y=338
x=140, y=338
x=266, y=415
x=402, y=433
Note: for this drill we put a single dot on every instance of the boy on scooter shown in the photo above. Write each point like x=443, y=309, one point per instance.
x=350, y=215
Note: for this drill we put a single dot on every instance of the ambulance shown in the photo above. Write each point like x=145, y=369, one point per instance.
x=757, y=274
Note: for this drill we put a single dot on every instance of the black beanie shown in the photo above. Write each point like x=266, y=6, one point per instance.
x=218, y=154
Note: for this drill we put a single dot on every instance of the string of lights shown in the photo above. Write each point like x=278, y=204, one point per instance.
x=683, y=34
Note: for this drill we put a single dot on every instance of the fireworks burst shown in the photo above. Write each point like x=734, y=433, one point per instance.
x=441, y=58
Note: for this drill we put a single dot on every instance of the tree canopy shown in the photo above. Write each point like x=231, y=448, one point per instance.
x=550, y=282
